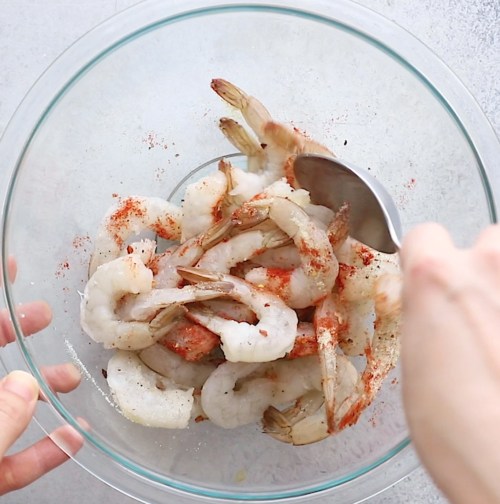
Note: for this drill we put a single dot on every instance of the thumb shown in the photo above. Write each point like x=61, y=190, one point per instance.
x=18, y=398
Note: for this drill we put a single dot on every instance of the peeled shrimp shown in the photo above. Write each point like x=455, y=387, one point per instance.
x=259, y=385
x=241, y=186
x=382, y=355
x=188, y=254
x=306, y=421
x=228, y=408
x=128, y=275
x=201, y=206
x=315, y=278
x=271, y=338
x=131, y=216
x=327, y=322
x=356, y=334
x=175, y=368
x=360, y=267
x=225, y=255
x=146, y=397
x=287, y=257
x=280, y=143
x=145, y=248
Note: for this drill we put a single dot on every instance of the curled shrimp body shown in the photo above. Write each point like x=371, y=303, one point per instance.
x=145, y=248
x=174, y=367
x=287, y=257
x=202, y=203
x=128, y=275
x=188, y=254
x=112, y=281
x=314, y=279
x=271, y=338
x=241, y=186
x=360, y=268
x=259, y=386
x=225, y=255
x=228, y=408
x=384, y=351
x=146, y=397
x=306, y=422
x=131, y=216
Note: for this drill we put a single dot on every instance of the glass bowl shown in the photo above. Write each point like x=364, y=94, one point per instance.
x=128, y=109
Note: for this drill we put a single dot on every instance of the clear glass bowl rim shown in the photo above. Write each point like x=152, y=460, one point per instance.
x=120, y=29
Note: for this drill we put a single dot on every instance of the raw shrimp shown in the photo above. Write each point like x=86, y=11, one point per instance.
x=201, y=207
x=382, y=355
x=145, y=248
x=131, y=216
x=287, y=257
x=175, y=368
x=315, y=278
x=338, y=228
x=280, y=143
x=258, y=386
x=188, y=254
x=245, y=143
x=306, y=421
x=320, y=215
x=286, y=143
x=146, y=305
x=360, y=267
x=225, y=255
x=241, y=186
x=271, y=338
x=327, y=322
x=128, y=275
x=357, y=333
x=146, y=397
x=231, y=310
x=228, y=408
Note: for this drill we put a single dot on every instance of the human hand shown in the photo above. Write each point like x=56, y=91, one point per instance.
x=451, y=360
x=19, y=394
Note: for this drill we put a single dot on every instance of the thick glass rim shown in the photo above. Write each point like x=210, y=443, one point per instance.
x=154, y=14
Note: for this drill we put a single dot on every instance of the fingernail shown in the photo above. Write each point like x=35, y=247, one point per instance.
x=21, y=384
x=73, y=372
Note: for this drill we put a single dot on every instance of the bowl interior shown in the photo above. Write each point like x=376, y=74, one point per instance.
x=140, y=118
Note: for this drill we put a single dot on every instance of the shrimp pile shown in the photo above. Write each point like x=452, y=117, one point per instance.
x=255, y=311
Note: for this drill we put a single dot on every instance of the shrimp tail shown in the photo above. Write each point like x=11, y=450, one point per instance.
x=249, y=216
x=326, y=324
x=276, y=425
x=229, y=92
x=196, y=275
x=338, y=229
x=216, y=233
x=245, y=143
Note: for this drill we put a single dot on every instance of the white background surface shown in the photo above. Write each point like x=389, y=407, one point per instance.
x=464, y=33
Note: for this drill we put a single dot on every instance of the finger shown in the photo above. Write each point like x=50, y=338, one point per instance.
x=23, y=468
x=62, y=378
x=33, y=317
x=18, y=396
x=12, y=268
x=489, y=238
x=423, y=243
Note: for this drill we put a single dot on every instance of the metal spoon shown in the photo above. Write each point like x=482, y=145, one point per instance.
x=374, y=219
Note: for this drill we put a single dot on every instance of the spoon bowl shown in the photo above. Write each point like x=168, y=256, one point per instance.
x=374, y=218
